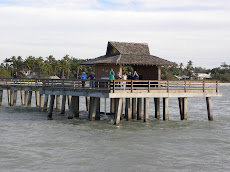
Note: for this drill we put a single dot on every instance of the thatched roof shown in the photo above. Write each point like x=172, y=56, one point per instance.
x=123, y=53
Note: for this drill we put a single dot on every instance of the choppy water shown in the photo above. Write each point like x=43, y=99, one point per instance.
x=29, y=142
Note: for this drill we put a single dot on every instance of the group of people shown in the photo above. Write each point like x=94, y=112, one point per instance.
x=92, y=77
x=131, y=76
x=112, y=76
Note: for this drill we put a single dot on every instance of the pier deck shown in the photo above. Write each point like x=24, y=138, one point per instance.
x=115, y=90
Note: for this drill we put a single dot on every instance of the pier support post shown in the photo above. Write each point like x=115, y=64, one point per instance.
x=26, y=97
x=98, y=111
x=118, y=111
x=146, y=109
x=134, y=108
x=51, y=107
x=139, y=108
x=183, y=108
x=11, y=97
x=58, y=102
x=112, y=104
x=209, y=108
x=29, y=98
x=92, y=109
x=128, y=115
x=1, y=94
x=165, y=109
x=45, y=103
x=87, y=99
x=15, y=97
x=22, y=97
x=37, y=98
x=41, y=100
x=63, y=104
x=8, y=93
x=71, y=110
x=69, y=101
x=76, y=107
x=105, y=107
x=157, y=107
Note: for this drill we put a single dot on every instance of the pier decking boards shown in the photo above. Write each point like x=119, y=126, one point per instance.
x=119, y=93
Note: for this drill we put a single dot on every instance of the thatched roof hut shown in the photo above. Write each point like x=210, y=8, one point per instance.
x=125, y=53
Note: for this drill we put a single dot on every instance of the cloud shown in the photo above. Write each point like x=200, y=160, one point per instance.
x=180, y=36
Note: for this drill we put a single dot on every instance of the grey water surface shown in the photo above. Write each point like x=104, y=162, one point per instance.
x=30, y=142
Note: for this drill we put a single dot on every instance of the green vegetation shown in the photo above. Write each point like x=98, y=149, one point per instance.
x=69, y=67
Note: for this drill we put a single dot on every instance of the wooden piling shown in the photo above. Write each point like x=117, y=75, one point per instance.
x=209, y=108
x=45, y=103
x=15, y=97
x=146, y=109
x=37, y=97
x=105, y=107
x=50, y=112
x=58, y=102
x=183, y=108
x=63, y=104
x=112, y=104
x=165, y=109
x=1, y=95
x=157, y=107
x=87, y=102
x=134, y=108
x=92, y=109
x=98, y=110
x=76, y=107
x=128, y=114
x=8, y=94
x=41, y=100
x=11, y=97
x=26, y=97
x=139, y=108
x=69, y=101
x=71, y=110
x=22, y=97
x=118, y=112
x=29, y=98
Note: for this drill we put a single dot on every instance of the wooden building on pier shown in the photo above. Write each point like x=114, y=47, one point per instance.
x=137, y=55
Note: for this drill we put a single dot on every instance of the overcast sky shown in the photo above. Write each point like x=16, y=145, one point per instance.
x=176, y=30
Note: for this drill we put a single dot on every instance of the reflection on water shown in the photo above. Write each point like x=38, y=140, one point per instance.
x=29, y=142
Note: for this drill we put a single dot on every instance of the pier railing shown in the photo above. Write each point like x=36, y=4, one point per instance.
x=117, y=85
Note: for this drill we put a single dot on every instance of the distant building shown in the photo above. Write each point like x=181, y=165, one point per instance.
x=201, y=76
x=224, y=66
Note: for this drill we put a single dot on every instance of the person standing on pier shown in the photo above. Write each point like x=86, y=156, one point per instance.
x=16, y=77
x=130, y=77
x=135, y=76
x=111, y=74
x=92, y=77
x=124, y=78
x=83, y=78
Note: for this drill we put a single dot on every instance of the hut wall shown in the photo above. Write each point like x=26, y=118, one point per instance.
x=103, y=70
x=147, y=72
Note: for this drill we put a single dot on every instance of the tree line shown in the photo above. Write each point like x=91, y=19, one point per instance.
x=69, y=67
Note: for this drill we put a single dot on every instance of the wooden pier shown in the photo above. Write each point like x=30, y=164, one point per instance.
x=119, y=92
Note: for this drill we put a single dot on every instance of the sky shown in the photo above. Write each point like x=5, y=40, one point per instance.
x=176, y=30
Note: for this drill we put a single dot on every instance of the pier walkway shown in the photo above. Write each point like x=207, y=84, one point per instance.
x=115, y=90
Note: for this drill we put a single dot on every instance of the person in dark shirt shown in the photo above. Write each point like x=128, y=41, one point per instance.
x=130, y=76
x=135, y=76
x=92, y=77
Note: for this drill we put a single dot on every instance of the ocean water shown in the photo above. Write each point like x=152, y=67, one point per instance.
x=30, y=142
